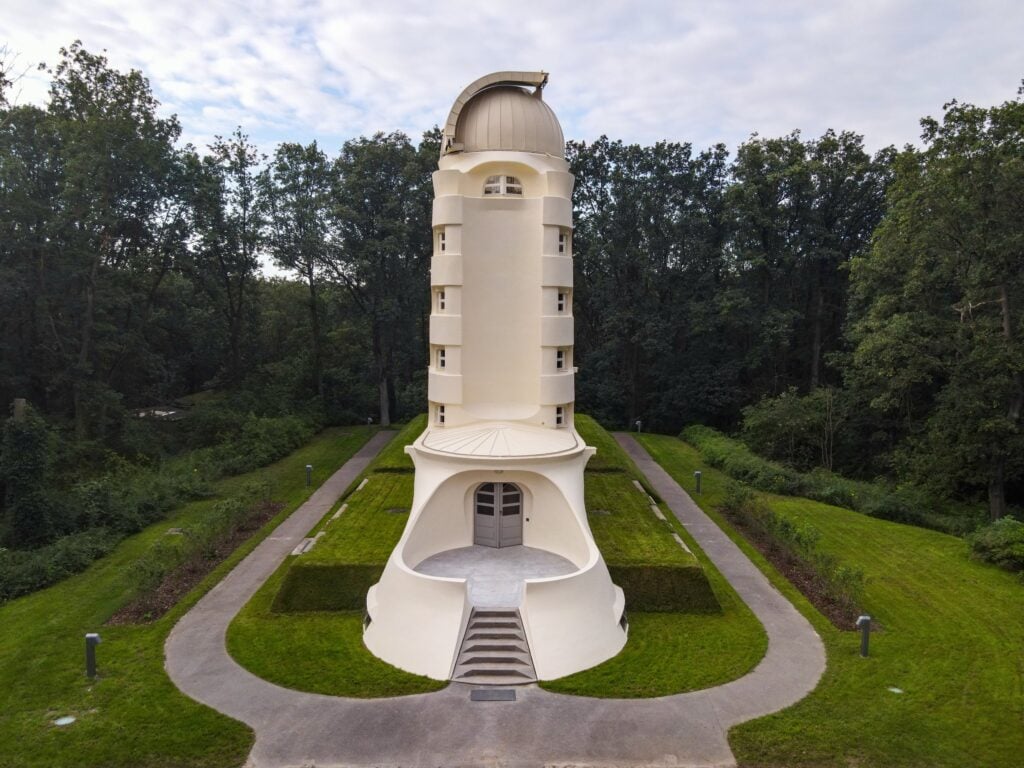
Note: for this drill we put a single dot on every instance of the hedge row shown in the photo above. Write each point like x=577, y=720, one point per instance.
x=343, y=587
x=902, y=505
x=665, y=588
x=337, y=587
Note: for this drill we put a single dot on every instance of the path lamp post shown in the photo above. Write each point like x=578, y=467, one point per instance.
x=309, y=475
x=91, y=641
x=696, y=480
x=864, y=625
x=638, y=425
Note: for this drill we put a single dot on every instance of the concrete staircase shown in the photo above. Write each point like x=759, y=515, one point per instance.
x=494, y=650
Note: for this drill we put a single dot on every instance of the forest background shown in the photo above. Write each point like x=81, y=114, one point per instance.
x=842, y=311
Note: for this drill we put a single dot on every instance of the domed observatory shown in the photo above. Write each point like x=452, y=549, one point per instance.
x=497, y=578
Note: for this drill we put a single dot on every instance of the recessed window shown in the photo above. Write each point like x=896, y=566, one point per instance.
x=441, y=241
x=440, y=300
x=560, y=360
x=559, y=416
x=440, y=358
x=503, y=185
x=563, y=301
x=563, y=242
x=440, y=414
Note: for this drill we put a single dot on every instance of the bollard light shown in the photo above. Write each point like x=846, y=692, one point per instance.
x=91, y=641
x=864, y=625
x=696, y=480
x=309, y=475
x=639, y=424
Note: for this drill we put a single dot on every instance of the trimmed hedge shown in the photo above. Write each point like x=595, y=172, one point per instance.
x=665, y=588
x=901, y=505
x=339, y=587
x=393, y=457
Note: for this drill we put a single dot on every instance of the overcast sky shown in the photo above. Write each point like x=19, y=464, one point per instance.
x=705, y=72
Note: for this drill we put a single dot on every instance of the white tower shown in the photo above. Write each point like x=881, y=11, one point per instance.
x=498, y=519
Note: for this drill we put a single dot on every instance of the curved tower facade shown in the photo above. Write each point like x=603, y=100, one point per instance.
x=498, y=524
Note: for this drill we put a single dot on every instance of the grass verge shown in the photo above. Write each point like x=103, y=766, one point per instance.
x=718, y=639
x=303, y=629
x=132, y=715
x=953, y=630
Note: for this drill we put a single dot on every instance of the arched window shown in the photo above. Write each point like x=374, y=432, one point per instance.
x=503, y=185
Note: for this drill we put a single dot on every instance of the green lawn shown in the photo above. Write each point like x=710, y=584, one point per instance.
x=322, y=651
x=132, y=716
x=952, y=642
x=666, y=652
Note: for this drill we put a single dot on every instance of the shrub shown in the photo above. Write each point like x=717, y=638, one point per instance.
x=1001, y=543
x=902, y=505
x=842, y=584
x=22, y=572
x=336, y=587
x=665, y=588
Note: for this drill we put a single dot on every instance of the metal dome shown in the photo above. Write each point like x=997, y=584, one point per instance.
x=495, y=113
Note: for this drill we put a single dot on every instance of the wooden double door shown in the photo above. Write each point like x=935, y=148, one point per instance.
x=498, y=515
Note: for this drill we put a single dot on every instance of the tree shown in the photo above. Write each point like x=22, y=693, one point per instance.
x=297, y=188
x=116, y=158
x=383, y=250
x=937, y=325
x=229, y=218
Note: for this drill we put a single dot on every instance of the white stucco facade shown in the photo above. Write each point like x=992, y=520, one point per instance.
x=501, y=395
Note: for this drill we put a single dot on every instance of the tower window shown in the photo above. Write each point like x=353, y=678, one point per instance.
x=440, y=414
x=563, y=242
x=440, y=358
x=441, y=241
x=440, y=300
x=503, y=185
x=559, y=416
x=560, y=360
x=563, y=301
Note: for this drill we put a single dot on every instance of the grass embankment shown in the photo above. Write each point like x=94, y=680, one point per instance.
x=132, y=715
x=952, y=639
x=304, y=628
x=667, y=652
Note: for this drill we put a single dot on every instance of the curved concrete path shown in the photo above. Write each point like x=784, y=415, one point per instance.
x=446, y=728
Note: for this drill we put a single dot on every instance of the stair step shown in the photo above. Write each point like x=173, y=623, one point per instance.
x=493, y=660
x=494, y=650
x=496, y=673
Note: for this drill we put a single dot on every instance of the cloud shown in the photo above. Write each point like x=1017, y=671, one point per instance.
x=300, y=70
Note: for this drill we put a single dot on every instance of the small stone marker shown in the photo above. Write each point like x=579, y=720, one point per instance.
x=638, y=486
x=340, y=512
x=895, y=690
x=657, y=512
x=492, y=694
x=65, y=720
x=681, y=543
x=363, y=484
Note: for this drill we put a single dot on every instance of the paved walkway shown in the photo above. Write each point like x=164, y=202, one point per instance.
x=446, y=728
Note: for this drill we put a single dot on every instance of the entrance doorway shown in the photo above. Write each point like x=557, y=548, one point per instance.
x=498, y=515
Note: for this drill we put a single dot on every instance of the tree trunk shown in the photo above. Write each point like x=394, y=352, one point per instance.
x=997, y=481
x=314, y=319
x=818, y=302
x=382, y=375
x=84, y=350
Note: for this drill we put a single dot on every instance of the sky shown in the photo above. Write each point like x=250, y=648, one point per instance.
x=708, y=72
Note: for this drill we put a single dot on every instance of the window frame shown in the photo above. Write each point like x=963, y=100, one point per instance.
x=559, y=415
x=441, y=300
x=442, y=361
x=439, y=416
x=562, y=302
x=503, y=185
x=442, y=241
x=560, y=360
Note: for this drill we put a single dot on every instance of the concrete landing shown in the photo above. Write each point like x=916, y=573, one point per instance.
x=495, y=576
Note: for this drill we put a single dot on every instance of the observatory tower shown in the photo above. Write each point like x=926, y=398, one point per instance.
x=498, y=532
